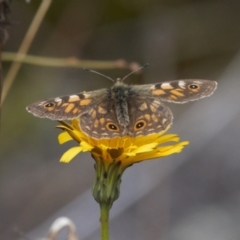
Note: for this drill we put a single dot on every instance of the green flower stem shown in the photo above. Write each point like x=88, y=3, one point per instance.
x=106, y=189
x=104, y=220
x=106, y=186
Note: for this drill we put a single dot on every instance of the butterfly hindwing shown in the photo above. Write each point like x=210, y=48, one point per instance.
x=101, y=121
x=148, y=115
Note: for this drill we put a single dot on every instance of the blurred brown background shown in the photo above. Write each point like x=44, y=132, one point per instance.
x=190, y=196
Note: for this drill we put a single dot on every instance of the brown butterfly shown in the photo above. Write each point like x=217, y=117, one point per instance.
x=123, y=109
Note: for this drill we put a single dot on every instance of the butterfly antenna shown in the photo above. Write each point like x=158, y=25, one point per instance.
x=144, y=66
x=98, y=73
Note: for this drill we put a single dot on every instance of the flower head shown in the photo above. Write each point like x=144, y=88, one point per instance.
x=114, y=155
x=125, y=150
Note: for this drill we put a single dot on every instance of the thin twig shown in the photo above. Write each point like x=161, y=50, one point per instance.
x=67, y=62
x=26, y=43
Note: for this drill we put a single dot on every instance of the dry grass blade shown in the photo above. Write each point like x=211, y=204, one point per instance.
x=4, y=21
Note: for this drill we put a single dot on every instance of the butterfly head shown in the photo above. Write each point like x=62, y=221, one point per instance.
x=118, y=81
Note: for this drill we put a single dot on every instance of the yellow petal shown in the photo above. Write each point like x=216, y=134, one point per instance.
x=70, y=154
x=75, y=123
x=64, y=137
x=177, y=148
x=146, y=148
x=86, y=147
x=168, y=138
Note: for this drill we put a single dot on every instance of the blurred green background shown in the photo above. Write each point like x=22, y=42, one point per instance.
x=191, y=196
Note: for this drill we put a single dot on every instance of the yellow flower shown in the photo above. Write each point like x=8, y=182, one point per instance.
x=127, y=150
x=114, y=155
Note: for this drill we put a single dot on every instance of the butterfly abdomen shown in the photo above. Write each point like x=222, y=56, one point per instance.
x=119, y=95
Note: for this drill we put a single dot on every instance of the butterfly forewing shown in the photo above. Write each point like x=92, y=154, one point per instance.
x=66, y=107
x=182, y=91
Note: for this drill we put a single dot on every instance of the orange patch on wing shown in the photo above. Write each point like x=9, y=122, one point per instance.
x=173, y=97
x=153, y=109
x=75, y=110
x=158, y=92
x=176, y=92
x=85, y=102
x=96, y=123
x=154, y=118
x=102, y=120
x=143, y=107
x=147, y=116
x=94, y=114
x=69, y=108
x=102, y=110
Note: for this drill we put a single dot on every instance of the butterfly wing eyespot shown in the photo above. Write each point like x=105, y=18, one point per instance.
x=193, y=86
x=112, y=127
x=139, y=125
x=48, y=105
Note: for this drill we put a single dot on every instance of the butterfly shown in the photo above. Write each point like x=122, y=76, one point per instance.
x=123, y=110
